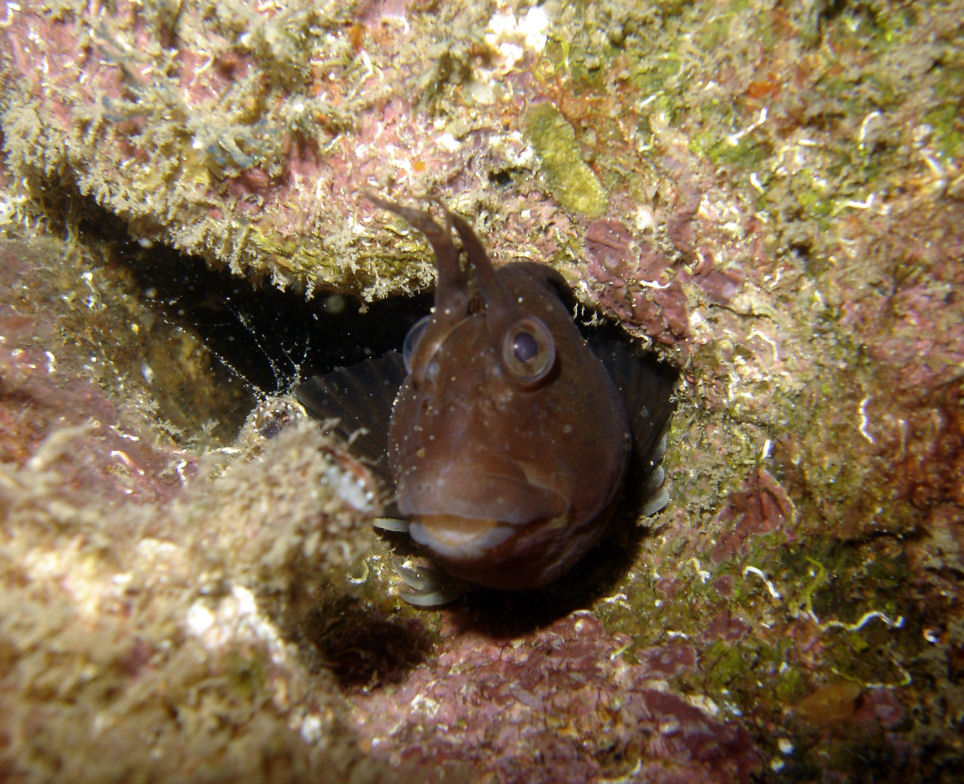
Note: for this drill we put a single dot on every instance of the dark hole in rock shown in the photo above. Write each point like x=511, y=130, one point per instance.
x=262, y=336
x=501, y=177
x=362, y=647
x=267, y=336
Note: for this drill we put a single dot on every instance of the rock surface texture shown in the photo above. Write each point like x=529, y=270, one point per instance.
x=770, y=195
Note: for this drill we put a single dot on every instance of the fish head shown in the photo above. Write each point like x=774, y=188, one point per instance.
x=508, y=441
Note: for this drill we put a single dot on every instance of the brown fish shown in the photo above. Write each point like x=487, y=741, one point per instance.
x=508, y=442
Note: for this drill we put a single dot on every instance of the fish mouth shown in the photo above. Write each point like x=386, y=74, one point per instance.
x=459, y=538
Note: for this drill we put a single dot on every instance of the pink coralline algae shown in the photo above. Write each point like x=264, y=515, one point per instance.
x=643, y=286
x=48, y=415
x=668, y=660
x=761, y=506
x=565, y=697
x=724, y=626
x=245, y=132
x=879, y=705
x=81, y=432
x=630, y=274
x=899, y=309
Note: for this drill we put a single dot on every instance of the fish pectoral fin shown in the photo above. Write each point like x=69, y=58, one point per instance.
x=360, y=397
x=646, y=387
x=392, y=524
x=428, y=586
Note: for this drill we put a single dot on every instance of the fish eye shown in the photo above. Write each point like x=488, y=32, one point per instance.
x=411, y=341
x=528, y=350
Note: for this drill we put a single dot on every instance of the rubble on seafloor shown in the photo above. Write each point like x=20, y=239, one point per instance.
x=769, y=196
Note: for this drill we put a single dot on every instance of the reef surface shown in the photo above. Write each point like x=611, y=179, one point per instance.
x=770, y=195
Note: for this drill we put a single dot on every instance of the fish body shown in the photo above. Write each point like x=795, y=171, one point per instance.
x=508, y=442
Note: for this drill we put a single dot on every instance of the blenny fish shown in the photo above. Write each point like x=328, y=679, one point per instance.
x=506, y=436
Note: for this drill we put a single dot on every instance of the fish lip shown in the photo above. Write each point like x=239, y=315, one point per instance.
x=456, y=545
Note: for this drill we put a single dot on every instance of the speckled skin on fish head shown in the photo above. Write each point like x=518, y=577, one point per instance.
x=508, y=441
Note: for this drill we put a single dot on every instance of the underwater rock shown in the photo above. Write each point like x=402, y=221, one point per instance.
x=565, y=694
x=795, y=184
x=243, y=134
x=145, y=585
x=630, y=277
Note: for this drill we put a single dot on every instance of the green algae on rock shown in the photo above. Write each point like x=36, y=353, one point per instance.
x=572, y=183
